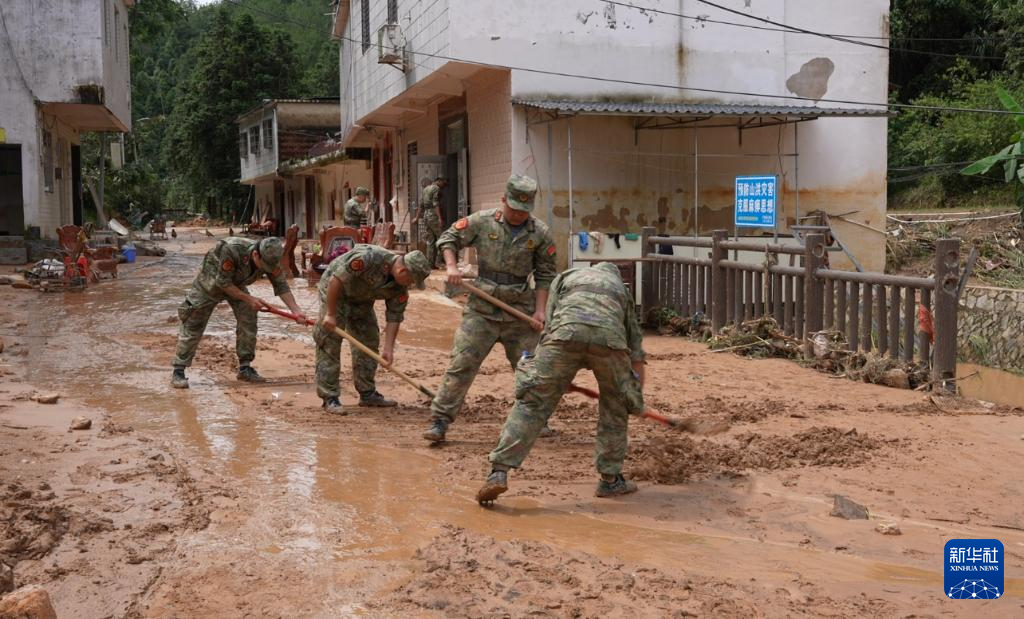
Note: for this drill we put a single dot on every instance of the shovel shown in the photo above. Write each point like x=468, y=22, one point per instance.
x=352, y=340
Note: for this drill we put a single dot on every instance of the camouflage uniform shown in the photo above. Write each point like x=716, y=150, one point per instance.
x=365, y=272
x=506, y=257
x=355, y=213
x=430, y=224
x=229, y=262
x=590, y=323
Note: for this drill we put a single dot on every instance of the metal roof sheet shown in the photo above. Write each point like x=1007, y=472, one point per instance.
x=631, y=108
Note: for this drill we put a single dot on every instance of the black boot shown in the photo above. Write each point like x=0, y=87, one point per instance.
x=437, y=430
x=496, y=484
x=178, y=379
x=374, y=398
x=333, y=406
x=615, y=486
x=250, y=375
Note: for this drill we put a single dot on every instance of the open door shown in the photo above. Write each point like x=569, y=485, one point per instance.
x=423, y=169
x=12, y=206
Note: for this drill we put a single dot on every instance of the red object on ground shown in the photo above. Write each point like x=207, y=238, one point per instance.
x=925, y=323
x=83, y=266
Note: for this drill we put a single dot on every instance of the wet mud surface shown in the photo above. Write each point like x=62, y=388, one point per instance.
x=232, y=499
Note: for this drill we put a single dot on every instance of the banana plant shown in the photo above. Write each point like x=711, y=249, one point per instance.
x=1012, y=157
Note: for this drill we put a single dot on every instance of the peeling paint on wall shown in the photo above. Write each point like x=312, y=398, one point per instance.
x=811, y=81
x=609, y=16
x=583, y=18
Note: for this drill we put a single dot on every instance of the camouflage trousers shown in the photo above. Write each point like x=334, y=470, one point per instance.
x=474, y=340
x=360, y=321
x=194, y=313
x=541, y=381
x=430, y=231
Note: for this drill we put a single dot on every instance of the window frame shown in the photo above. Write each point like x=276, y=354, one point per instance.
x=254, y=140
x=243, y=145
x=268, y=133
x=365, y=25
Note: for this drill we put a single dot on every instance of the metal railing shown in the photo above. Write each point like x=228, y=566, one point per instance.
x=906, y=318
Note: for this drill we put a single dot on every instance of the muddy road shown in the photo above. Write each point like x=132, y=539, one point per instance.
x=237, y=500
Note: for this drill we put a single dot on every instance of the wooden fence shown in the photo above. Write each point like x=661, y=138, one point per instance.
x=886, y=314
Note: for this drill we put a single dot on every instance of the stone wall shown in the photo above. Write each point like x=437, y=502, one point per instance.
x=991, y=327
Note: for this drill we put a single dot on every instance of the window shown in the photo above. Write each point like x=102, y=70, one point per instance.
x=106, y=24
x=268, y=134
x=47, y=161
x=243, y=146
x=392, y=11
x=117, y=35
x=254, y=140
x=366, y=25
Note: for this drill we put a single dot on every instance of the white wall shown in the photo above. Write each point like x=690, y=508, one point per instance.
x=365, y=85
x=264, y=161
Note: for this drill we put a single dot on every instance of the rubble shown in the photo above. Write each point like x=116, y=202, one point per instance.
x=888, y=528
x=46, y=398
x=6, y=281
x=81, y=423
x=847, y=509
x=29, y=602
x=6, y=578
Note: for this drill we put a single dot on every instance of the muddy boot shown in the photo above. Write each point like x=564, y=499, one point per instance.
x=496, y=484
x=437, y=430
x=615, y=486
x=374, y=398
x=178, y=379
x=248, y=374
x=546, y=432
x=333, y=406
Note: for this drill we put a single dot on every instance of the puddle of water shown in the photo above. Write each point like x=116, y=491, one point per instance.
x=991, y=385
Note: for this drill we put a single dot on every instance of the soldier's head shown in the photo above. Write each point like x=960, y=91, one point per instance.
x=268, y=254
x=517, y=202
x=410, y=269
x=362, y=194
x=441, y=182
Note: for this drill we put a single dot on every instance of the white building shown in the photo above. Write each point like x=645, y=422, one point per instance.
x=297, y=171
x=673, y=106
x=64, y=71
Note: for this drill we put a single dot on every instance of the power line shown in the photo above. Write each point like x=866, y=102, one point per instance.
x=704, y=19
x=887, y=106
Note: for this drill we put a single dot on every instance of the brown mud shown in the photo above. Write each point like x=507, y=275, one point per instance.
x=232, y=499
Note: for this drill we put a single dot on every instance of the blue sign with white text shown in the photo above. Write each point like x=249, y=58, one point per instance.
x=756, y=201
x=974, y=569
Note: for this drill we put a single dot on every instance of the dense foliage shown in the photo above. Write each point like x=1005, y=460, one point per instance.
x=954, y=53
x=194, y=70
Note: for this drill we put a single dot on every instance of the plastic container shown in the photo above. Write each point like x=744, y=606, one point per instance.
x=128, y=251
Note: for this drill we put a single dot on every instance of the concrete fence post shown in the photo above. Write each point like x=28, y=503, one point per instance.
x=814, y=257
x=647, y=300
x=947, y=281
x=718, y=283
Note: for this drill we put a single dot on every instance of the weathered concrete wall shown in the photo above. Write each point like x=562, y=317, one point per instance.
x=991, y=327
x=489, y=116
x=263, y=162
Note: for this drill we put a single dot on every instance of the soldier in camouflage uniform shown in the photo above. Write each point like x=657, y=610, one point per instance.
x=355, y=208
x=227, y=269
x=591, y=323
x=511, y=245
x=352, y=282
x=430, y=216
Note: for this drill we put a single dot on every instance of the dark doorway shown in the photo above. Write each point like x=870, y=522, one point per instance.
x=310, y=205
x=12, y=206
x=76, y=185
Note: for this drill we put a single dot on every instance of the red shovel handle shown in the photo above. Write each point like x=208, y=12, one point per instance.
x=590, y=393
x=280, y=312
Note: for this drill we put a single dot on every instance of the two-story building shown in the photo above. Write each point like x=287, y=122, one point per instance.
x=297, y=170
x=627, y=114
x=64, y=71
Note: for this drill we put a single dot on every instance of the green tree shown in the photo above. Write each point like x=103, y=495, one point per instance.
x=235, y=64
x=1011, y=156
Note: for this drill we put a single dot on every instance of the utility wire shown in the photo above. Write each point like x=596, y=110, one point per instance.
x=705, y=19
x=898, y=106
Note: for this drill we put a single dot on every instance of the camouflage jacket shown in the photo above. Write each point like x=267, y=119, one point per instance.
x=592, y=305
x=355, y=213
x=429, y=200
x=500, y=249
x=365, y=273
x=230, y=262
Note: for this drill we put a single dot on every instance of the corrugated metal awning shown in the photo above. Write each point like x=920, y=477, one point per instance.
x=629, y=108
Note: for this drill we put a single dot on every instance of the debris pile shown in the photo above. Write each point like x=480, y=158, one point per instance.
x=761, y=337
x=667, y=321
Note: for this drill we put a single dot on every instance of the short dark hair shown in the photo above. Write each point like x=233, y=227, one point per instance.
x=440, y=178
